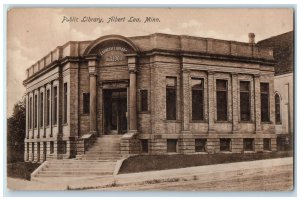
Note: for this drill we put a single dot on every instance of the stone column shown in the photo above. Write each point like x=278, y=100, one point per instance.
x=27, y=115
x=235, y=113
x=44, y=110
x=38, y=112
x=132, y=94
x=186, y=101
x=257, y=104
x=92, y=64
x=32, y=114
x=211, y=101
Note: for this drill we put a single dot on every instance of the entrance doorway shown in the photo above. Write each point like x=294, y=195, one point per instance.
x=115, y=109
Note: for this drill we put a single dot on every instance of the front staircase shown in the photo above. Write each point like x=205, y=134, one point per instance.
x=106, y=147
x=99, y=160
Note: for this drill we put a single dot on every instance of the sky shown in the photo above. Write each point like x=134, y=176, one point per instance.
x=33, y=32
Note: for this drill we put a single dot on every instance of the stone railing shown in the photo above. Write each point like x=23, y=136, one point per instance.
x=84, y=143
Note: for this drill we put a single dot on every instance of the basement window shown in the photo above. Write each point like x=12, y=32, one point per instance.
x=267, y=144
x=51, y=147
x=171, y=145
x=200, y=145
x=64, y=147
x=249, y=144
x=225, y=144
x=144, y=145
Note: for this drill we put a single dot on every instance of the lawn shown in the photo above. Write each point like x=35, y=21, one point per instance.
x=163, y=162
x=21, y=169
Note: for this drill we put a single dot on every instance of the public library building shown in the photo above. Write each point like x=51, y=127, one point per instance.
x=153, y=94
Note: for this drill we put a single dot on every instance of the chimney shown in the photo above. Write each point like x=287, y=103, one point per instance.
x=251, y=38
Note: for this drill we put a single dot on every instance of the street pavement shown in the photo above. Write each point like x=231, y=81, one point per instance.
x=260, y=175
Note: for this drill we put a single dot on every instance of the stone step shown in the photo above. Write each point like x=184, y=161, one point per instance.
x=103, y=152
x=72, y=173
x=99, y=157
x=81, y=166
x=109, y=136
x=99, y=169
x=86, y=162
x=117, y=148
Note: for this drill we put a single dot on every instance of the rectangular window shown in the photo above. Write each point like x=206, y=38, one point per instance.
x=144, y=100
x=48, y=108
x=221, y=100
x=171, y=145
x=171, y=98
x=30, y=113
x=38, y=151
x=41, y=109
x=264, y=98
x=225, y=144
x=200, y=145
x=245, y=100
x=35, y=111
x=32, y=150
x=65, y=103
x=197, y=99
x=51, y=147
x=86, y=103
x=267, y=144
x=55, y=105
x=64, y=147
x=248, y=144
x=144, y=145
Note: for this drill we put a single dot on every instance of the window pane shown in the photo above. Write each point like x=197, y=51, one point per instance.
x=171, y=145
x=222, y=105
x=244, y=86
x=48, y=108
x=30, y=112
x=35, y=111
x=264, y=107
x=55, y=105
x=65, y=102
x=200, y=145
x=264, y=96
x=86, y=103
x=221, y=85
x=264, y=87
x=225, y=144
x=144, y=145
x=144, y=100
x=171, y=103
x=267, y=144
x=277, y=109
x=249, y=144
x=197, y=104
x=245, y=106
x=41, y=109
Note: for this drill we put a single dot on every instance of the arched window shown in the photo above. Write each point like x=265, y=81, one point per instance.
x=277, y=109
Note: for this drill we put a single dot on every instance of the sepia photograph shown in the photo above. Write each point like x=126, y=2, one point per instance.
x=150, y=99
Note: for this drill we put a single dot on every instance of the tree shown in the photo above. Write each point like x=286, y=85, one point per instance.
x=16, y=132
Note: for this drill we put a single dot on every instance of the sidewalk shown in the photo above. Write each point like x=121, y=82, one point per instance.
x=173, y=175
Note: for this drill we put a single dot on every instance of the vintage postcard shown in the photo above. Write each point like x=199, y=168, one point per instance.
x=160, y=99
